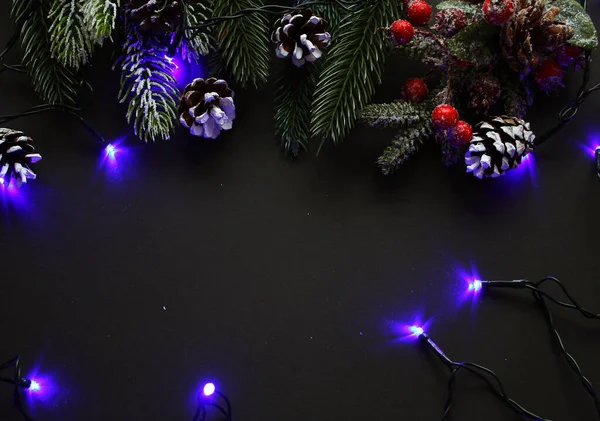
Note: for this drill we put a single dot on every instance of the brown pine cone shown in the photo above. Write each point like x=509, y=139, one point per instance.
x=158, y=17
x=16, y=154
x=302, y=36
x=207, y=107
x=530, y=34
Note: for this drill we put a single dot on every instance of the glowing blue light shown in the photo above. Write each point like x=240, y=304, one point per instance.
x=111, y=150
x=475, y=286
x=35, y=386
x=417, y=330
x=209, y=389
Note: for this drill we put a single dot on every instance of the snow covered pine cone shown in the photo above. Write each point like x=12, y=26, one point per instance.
x=498, y=145
x=16, y=153
x=157, y=16
x=302, y=35
x=207, y=107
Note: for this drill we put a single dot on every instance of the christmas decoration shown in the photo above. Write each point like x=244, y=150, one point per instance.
x=491, y=56
x=498, y=145
x=498, y=12
x=419, y=12
x=449, y=22
x=301, y=36
x=414, y=90
x=464, y=133
x=532, y=34
x=444, y=116
x=16, y=154
x=402, y=31
x=207, y=107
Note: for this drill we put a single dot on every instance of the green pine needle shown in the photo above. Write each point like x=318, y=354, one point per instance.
x=398, y=114
x=243, y=49
x=198, y=43
x=99, y=18
x=293, y=100
x=147, y=83
x=54, y=83
x=354, y=66
x=404, y=145
x=70, y=42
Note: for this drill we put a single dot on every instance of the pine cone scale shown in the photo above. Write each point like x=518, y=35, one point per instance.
x=16, y=154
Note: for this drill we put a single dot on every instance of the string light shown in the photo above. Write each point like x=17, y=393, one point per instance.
x=211, y=397
x=208, y=389
x=19, y=383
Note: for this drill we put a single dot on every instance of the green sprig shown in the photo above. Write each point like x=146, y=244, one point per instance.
x=199, y=43
x=99, y=18
x=404, y=145
x=70, y=42
x=354, y=66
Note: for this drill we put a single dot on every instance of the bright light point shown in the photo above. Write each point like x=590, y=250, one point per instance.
x=475, y=286
x=111, y=150
x=417, y=330
x=209, y=389
x=35, y=386
x=598, y=148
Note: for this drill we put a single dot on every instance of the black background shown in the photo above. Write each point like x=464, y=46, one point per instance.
x=284, y=282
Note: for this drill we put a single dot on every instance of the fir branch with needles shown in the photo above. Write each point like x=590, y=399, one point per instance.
x=149, y=88
x=70, y=42
x=399, y=114
x=99, y=18
x=197, y=43
x=242, y=51
x=354, y=66
x=404, y=145
x=54, y=83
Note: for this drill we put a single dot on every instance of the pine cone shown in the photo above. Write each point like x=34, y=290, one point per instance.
x=302, y=35
x=156, y=16
x=207, y=107
x=498, y=145
x=16, y=153
x=530, y=34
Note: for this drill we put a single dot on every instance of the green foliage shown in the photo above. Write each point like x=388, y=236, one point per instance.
x=199, y=43
x=517, y=95
x=149, y=87
x=403, y=146
x=243, y=49
x=398, y=114
x=99, y=18
x=293, y=100
x=54, y=83
x=476, y=44
x=576, y=17
x=70, y=43
x=466, y=6
x=354, y=66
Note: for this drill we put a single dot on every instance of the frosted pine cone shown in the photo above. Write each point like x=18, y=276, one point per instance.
x=302, y=36
x=156, y=16
x=207, y=107
x=530, y=33
x=16, y=154
x=498, y=145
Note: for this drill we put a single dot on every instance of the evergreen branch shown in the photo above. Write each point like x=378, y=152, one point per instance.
x=293, y=100
x=99, y=18
x=403, y=146
x=53, y=82
x=197, y=43
x=355, y=64
x=147, y=83
x=70, y=43
x=243, y=49
x=399, y=114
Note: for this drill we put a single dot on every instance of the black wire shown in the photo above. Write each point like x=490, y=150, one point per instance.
x=201, y=411
x=16, y=381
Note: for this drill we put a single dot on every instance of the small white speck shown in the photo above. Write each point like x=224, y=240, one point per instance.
x=164, y=308
x=307, y=213
x=360, y=333
x=311, y=338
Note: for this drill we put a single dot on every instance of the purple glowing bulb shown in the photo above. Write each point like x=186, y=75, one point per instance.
x=35, y=386
x=416, y=330
x=475, y=286
x=111, y=150
x=209, y=389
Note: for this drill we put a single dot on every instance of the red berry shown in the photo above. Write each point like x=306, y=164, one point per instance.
x=464, y=133
x=419, y=12
x=444, y=116
x=549, y=76
x=450, y=21
x=403, y=31
x=498, y=12
x=414, y=90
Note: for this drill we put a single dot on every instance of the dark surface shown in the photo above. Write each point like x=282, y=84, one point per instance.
x=282, y=280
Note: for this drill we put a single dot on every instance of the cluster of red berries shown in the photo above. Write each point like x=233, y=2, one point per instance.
x=445, y=119
x=419, y=13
